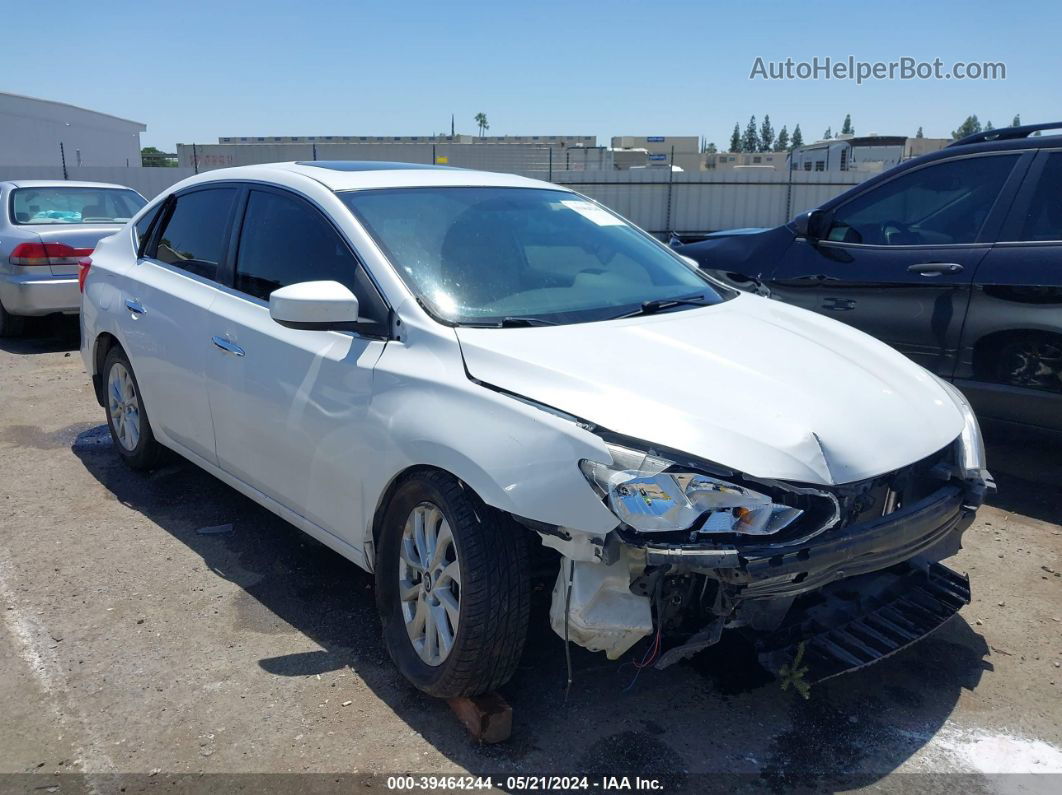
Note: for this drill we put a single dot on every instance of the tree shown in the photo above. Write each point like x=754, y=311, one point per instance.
x=150, y=157
x=766, y=134
x=782, y=142
x=1016, y=121
x=735, y=138
x=750, y=142
x=920, y=134
x=847, y=128
x=970, y=126
x=711, y=148
x=481, y=121
x=828, y=134
x=988, y=126
x=798, y=139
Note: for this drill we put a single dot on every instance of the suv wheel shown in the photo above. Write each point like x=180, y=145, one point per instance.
x=452, y=588
x=10, y=325
x=1033, y=361
x=126, y=416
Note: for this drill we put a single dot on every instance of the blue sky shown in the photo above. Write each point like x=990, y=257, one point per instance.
x=195, y=70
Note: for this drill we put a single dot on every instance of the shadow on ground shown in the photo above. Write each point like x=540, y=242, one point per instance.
x=51, y=334
x=717, y=713
x=1027, y=466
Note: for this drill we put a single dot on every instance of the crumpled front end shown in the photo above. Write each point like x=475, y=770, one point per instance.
x=833, y=578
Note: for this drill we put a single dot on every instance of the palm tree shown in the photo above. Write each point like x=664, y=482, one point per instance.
x=482, y=123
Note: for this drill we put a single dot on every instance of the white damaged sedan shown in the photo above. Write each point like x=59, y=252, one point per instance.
x=445, y=375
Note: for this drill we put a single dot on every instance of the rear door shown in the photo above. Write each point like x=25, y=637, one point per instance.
x=290, y=406
x=899, y=258
x=167, y=295
x=1011, y=355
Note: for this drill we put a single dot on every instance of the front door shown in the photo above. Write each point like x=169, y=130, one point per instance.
x=898, y=260
x=290, y=406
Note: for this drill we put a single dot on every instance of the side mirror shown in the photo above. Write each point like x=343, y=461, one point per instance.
x=315, y=305
x=813, y=225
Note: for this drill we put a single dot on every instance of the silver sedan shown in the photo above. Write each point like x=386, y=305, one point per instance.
x=46, y=228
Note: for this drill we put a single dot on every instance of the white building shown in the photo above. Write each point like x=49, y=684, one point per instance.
x=39, y=132
x=869, y=153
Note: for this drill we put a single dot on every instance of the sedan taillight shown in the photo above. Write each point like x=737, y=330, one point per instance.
x=83, y=266
x=36, y=254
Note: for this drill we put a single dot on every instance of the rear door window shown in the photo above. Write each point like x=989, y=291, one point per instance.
x=195, y=233
x=941, y=204
x=1043, y=218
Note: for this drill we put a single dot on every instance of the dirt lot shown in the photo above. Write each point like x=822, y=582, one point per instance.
x=133, y=644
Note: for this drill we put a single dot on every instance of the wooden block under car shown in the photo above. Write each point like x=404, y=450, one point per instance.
x=488, y=718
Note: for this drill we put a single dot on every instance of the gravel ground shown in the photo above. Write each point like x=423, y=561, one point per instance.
x=133, y=644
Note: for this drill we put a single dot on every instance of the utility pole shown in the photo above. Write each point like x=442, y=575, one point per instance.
x=451, y=125
x=62, y=156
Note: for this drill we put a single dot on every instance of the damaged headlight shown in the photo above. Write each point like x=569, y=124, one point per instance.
x=973, y=460
x=644, y=496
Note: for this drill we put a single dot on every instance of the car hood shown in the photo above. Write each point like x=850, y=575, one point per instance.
x=761, y=387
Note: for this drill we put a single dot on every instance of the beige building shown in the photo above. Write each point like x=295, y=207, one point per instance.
x=661, y=151
x=731, y=160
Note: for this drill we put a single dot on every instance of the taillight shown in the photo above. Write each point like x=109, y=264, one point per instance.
x=47, y=254
x=83, y=266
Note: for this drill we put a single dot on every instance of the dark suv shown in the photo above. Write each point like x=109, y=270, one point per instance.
x=953, y=258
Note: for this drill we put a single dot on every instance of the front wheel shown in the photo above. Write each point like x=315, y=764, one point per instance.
x=126, y=416
x=452, y=588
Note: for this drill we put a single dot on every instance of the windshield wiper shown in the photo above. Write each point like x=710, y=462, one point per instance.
x=513, y=322
x=650, y=307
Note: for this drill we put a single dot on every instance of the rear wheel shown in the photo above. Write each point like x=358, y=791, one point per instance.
x=126, y=415
x=1033, y=361
x=452, y=588
x=10, y=325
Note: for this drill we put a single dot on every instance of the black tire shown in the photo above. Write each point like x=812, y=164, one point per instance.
x=147, y=452
x=10, y=325
x=1031, y=361
x=494, y=590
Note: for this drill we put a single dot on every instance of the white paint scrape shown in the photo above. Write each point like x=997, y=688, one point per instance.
x=990, y=753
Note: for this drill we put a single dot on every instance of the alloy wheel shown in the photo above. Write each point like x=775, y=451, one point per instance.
x=124, y=406
x=429, y=583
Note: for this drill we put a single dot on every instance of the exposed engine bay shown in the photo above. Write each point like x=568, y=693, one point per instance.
x=835, y=577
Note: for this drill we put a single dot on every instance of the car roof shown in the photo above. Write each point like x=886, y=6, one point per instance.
x=1003, y=139
x=341, y=175
x=60, y=183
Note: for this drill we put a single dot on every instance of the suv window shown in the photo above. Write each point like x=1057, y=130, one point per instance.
x=285, y=241
x=194, y=235
x=939, y=204
x=1043, y=220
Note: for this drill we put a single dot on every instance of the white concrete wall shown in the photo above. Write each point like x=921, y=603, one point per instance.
x=31, y=130
x=708, y=201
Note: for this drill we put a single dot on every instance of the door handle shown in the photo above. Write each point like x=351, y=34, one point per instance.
x=934, y=268
x=228, y=347
x=134, y=306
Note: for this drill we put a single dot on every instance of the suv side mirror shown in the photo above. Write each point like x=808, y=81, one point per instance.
x=315, y=305
x=813, y=225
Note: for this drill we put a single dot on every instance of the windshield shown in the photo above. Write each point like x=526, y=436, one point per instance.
x=74, y=205
x=490, y=255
